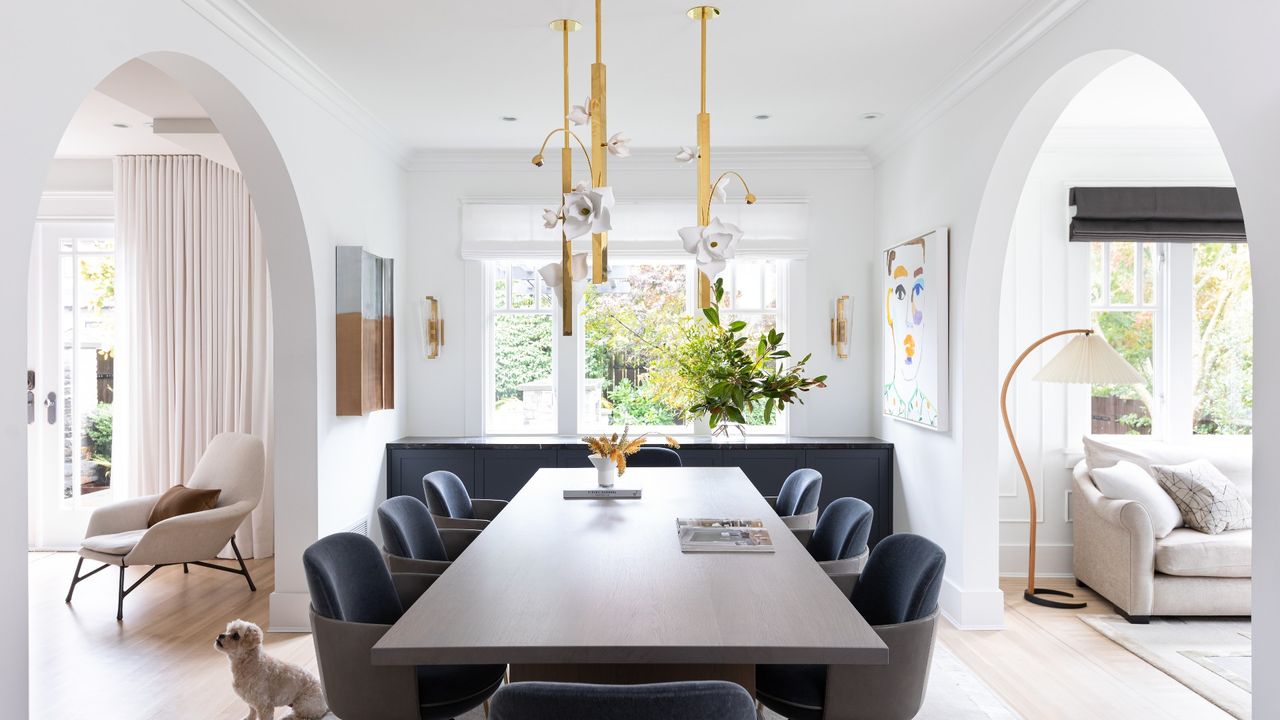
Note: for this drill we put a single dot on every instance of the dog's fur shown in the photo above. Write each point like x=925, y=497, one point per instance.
x=264, y=682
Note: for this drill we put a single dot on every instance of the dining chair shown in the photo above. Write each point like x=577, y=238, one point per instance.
x=354, y=601
x=412, y=543
x=797, y=502
x=695, y=700
x=839, y=541
x=453, y=506
x=654, y=457
x=118, y=534
x=897, y=594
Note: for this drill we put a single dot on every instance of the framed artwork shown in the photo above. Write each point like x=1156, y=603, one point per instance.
x=365, y=332
x=916, y=330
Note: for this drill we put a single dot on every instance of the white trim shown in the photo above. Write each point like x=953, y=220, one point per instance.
x=971, y=609
x=289, y=612
x=1018, y=33
x=431, y=160
x=252, y=32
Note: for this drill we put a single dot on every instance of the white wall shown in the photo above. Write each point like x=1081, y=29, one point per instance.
x=965, y=166
x=837, y=188
x=1044, y=289
x=322, y=182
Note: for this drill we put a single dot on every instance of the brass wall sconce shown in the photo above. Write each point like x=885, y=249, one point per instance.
x=433, y=327
x=840, y=327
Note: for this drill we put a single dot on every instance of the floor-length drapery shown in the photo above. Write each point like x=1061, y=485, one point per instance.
x=195, y=333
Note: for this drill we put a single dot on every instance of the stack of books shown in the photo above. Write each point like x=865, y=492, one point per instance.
x=723, y=535
x=603, y=493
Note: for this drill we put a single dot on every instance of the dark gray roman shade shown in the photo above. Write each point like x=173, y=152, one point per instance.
x=1156, y=214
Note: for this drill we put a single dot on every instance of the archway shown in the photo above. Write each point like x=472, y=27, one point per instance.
x=47, y=109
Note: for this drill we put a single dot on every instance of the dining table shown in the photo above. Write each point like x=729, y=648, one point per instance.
x=599, y=590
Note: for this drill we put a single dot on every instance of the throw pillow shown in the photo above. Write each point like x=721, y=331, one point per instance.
x=1209, y=501
x=1126, y=481
x=181, y=500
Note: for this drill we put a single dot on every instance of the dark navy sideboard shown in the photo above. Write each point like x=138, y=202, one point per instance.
x=497, y=467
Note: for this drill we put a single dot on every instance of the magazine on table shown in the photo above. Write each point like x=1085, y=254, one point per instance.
x=723, y=535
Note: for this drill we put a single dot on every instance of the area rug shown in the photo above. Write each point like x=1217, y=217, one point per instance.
x=954, y=693
x=1213, y=657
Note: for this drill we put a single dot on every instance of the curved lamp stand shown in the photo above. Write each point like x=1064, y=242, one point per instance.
x=1033, y=593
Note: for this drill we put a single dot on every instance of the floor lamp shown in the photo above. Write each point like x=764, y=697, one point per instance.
x=1087, y=359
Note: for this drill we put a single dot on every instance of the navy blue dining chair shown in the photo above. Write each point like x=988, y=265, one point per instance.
x=897, y=594
x=839, y=541
x=698, y=700
x=797, y=502
x=453, y=506
x=412, y=543
x=354, y=601
x=654, y=457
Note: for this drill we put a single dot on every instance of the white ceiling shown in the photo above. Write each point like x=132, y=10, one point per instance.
x=442, y=75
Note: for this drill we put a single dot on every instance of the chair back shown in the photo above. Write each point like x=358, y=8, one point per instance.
x=901, y=580
x=233, y=463
x=446, y=495
x=654, y=457
x=349, y=582
x=699, y=700
x=842, y=531
x=799, y=493
x=409, y=531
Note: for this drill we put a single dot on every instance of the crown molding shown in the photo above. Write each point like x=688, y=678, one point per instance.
x=645, y=160
x=1006, y=43
x=252, y=32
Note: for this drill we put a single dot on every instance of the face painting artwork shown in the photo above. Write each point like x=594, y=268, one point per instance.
x=915, y=330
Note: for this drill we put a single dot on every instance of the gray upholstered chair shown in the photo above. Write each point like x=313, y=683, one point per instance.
x=654, y=457
x=118, y=534
x=411, y=542
x=897, y=594
x=453, y=506
x=839, y=542
x=797, y=502
x=354, y=601
x=703, y=700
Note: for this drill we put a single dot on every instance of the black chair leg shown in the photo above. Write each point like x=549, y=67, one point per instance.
x=244, y=570
x=185, y=570
x=120, y=601
x=75, y=578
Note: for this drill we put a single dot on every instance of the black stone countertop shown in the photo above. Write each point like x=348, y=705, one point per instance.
x=547, y=442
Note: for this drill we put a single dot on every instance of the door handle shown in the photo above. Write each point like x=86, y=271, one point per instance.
x=51, y=406
x=31, y=407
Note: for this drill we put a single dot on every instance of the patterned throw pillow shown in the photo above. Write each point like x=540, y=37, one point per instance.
x=1209, y=501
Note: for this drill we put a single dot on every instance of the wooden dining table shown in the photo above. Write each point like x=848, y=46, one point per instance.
x=599, y=590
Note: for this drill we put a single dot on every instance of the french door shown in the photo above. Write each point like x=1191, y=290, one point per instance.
x=70, y=379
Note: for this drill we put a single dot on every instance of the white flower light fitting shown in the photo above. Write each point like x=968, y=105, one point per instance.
x=587, y=211
x=686, y=154
x=552, y=275
x=580, y=114
x=620, y=145
x=712, y=245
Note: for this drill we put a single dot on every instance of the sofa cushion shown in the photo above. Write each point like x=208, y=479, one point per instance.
x=1126, y=481
x=1232, y=455
x=182, y=500
x=1191, y=552
x=1208, y=500
x=121, y=543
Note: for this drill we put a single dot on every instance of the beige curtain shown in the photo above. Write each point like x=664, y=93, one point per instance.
x=195, y=341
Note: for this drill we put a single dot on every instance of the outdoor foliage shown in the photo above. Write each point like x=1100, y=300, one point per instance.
x=522, y=352
x=637, y=406
x=98, y=430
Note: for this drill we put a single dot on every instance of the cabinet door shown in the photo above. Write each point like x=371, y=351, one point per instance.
x=573, y=457
x=863, y=474
x=501, y=473
x=407, y=466
x=699, y=457
x=766, y=467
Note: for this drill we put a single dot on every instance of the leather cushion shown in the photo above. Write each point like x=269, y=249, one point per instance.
x=802, y=687
x=182, y=500
x=121, y=543
x=444, y=684
x=1190, y=552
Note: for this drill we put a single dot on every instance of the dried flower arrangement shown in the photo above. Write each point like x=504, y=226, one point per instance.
x=617, y=448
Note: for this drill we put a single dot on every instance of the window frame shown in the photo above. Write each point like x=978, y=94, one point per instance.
x=490, y=313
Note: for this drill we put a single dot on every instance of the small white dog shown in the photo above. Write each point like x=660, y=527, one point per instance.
x=264, y=682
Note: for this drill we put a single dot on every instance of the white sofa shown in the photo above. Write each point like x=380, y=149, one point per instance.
x=1186, y=572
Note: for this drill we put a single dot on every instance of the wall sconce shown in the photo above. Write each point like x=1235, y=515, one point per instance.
x=840, y=327
x=432, y=328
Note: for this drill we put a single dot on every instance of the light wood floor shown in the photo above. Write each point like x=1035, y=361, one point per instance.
x=160, y=662
x=1046, y=664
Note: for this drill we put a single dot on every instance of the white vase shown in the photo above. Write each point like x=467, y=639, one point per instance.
x=606, y=470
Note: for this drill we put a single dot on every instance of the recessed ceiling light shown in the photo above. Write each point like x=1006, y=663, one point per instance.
x=872, y=115
x=120, y=125
x=509, y=118
x=763, y=116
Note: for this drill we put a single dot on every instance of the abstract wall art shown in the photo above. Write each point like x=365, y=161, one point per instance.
x=916, y=331
x=365, y=332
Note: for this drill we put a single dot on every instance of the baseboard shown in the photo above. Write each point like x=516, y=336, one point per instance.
x=972, y=609
x=289, y=612
x=1051, y=560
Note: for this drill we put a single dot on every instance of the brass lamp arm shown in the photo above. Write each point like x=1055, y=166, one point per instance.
x=750, y=198
x=537, y=159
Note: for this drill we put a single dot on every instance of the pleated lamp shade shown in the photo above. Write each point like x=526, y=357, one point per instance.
x=1088, y=359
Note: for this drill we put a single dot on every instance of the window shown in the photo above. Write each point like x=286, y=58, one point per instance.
x=521, y=396
x=622, y=327
x=1182, y=314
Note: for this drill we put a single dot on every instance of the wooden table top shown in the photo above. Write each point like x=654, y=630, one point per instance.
x=604, y=581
